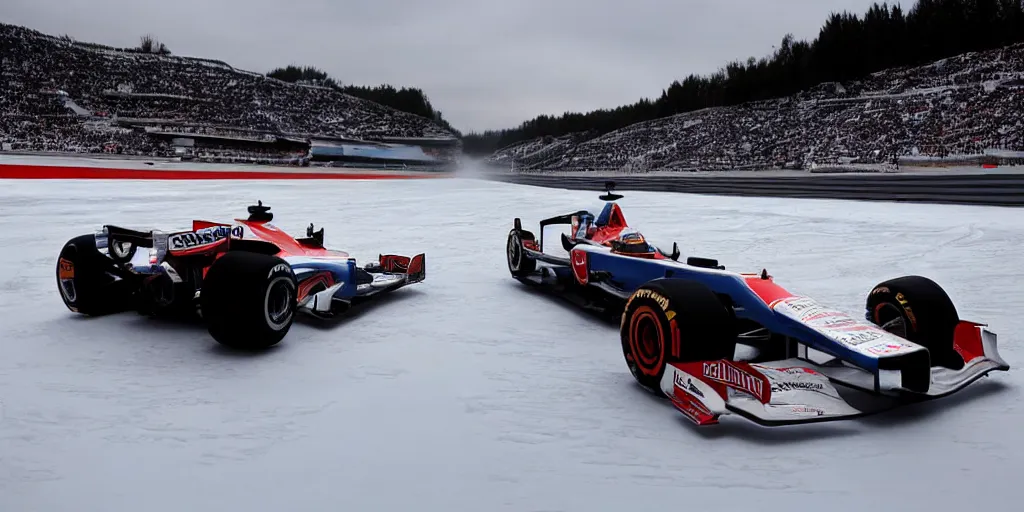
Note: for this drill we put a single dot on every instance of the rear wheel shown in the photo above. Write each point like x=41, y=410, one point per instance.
x=919, y=310
x=83, y=280
x=674, y=321
x=518, y=264
x=249, y=300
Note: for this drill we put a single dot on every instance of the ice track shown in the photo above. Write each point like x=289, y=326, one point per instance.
x=469, y=393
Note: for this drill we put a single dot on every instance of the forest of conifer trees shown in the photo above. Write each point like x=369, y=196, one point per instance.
x=848, y=47
x=406, y=99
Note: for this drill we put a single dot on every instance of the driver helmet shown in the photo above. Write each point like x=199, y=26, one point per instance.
x=631, y=241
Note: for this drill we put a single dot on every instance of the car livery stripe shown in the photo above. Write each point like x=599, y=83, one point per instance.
x=766, y=289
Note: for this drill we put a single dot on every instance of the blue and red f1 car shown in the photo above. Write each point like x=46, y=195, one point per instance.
x=245, y=280
x=716, y=342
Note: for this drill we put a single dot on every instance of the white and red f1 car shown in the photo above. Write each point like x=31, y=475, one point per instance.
x=245, y=279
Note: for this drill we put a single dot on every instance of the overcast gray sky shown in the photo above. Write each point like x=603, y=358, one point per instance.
x=484, y=64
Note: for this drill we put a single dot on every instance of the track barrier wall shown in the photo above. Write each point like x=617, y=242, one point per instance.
x=968, y=189
x=993, y=189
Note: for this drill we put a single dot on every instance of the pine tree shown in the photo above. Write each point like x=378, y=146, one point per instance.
x=848, y=47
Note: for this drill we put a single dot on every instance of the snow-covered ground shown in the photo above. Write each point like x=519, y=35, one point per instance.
x=467, y=392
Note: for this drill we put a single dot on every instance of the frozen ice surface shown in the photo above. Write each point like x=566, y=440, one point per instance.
x=467, y=392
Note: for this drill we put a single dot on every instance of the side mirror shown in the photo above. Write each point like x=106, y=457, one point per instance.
x=674, y=256
x=315, y=236
x=608, y=195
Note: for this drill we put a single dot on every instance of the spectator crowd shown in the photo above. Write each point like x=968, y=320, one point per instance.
x=60, y=95
x=955, y=107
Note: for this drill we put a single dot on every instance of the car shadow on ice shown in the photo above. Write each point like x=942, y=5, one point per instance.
x=133, y=327
x=132, y=331
x=222, y=350
x=739, y=429
x=565, y=305
x=192, y=331
x=975, y=394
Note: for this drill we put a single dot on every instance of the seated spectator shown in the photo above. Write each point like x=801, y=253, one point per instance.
x=65, y=96
x=969, y=105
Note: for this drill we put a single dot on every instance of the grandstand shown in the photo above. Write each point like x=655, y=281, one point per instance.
x=70, y=97
x=355, y=153
x=968, y=105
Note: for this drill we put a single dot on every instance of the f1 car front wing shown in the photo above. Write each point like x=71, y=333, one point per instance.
x=795, y=390
x=325, y=289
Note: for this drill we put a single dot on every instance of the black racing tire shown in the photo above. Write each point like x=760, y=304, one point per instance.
x=518, y=264
x=249, y=300
x=664, y=310
x=83, y=280
x=919, y=310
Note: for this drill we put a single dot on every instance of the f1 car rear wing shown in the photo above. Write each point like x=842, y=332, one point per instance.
x=161, y=241
x=795, y=391
x=125, y=235
x=121, y=243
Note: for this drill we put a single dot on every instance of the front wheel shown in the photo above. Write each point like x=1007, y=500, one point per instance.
x=919, y=310
x=249, y=300
x=674, y=321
